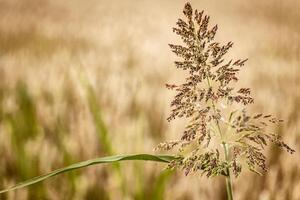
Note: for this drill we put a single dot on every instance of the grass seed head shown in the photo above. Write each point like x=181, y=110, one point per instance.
x=211, y=82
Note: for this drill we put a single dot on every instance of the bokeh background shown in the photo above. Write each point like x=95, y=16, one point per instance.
x=82, y=79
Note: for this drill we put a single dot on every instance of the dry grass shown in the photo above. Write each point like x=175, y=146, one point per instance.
x=49, y=51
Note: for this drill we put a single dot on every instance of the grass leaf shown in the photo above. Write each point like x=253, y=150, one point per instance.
x=109, y=159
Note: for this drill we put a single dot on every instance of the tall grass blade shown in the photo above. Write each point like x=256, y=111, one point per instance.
x=101, y=128
x=160, y=183
x=100, y=125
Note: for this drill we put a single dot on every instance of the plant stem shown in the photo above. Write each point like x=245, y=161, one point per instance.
x=229, y=188
x=228, y=177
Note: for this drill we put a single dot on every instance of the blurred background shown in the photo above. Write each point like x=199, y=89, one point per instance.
x=83, y=79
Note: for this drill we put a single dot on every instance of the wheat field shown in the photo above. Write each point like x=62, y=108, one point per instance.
x=83, y=79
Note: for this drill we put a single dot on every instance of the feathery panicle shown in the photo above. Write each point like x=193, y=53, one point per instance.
x=201, y=99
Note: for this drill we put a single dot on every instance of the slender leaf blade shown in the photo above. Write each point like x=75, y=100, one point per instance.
x=109, y=159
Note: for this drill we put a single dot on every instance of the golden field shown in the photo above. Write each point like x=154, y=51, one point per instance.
x=83, y=79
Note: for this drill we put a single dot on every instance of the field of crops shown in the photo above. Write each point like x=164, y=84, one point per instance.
x=84, y=79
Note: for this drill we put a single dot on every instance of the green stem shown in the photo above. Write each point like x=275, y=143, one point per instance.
x=229, y=188
x=228, y=177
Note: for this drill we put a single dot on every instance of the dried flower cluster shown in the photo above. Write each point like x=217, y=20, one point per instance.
x=206, y=98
